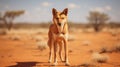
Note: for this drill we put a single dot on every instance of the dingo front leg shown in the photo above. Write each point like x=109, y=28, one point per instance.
x=60, y=51
x=66, y=53
x=55, y=53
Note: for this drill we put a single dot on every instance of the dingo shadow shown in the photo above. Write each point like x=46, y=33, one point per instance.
x=27, y=64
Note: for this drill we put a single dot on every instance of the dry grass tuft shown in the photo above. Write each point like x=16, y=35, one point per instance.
x=15, y=37
x=72, y=30
x=86, y=43
x=99, y=58
x=42, y=45
x=113, y=32
x=3, y=32
x=89, y=30
x=117, y=48
x=71, y=38
x=70, y=51
x=103, y=49
x=37, y=38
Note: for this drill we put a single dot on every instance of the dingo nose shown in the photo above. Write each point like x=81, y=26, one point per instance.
x=59, y=24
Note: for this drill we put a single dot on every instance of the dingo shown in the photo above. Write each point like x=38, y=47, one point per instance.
x=58, y=35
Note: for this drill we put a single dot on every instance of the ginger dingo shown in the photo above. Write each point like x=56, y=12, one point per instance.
x=58, y=35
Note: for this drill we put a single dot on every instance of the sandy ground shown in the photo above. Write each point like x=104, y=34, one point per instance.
x=21, y=49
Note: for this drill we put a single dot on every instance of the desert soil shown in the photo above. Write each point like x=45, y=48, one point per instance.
x=23, y=50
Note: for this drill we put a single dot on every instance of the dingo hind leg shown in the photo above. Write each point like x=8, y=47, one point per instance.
x=50, y=44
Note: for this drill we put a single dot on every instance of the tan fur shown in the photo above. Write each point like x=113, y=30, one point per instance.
x=58, y=35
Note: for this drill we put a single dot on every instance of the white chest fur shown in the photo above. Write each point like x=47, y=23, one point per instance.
x=60, y=37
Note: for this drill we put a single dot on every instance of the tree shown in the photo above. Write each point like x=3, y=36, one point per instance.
x=97, y=19
x=9, y=16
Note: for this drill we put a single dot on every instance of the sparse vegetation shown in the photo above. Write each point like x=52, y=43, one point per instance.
x=86, y=43
x=15, y=37
x=71, y=38
x=99, y=58
x=24, y=29
x=42, y=45
x=97, y=19
x=104, y=49
x=113, y=32
x=9, y=16
x=117, y=48
x=37, y=38
x=70, y=51
x=3, y=32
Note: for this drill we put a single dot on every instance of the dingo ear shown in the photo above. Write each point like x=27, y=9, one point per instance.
x=54, y=11
x=65, y=11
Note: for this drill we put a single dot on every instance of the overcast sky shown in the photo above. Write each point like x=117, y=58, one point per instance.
x=40, y=10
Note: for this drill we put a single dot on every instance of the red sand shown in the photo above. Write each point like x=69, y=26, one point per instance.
x=25, y=53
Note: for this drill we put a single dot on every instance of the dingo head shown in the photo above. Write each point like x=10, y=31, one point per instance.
x=60, y=18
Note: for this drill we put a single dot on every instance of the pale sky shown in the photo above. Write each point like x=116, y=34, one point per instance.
x=40, y=10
